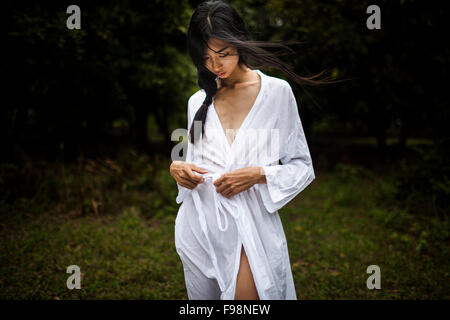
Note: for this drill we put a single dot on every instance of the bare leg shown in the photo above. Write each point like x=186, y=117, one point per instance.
x=245, y=285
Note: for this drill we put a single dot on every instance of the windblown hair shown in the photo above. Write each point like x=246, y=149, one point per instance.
x=217, y=19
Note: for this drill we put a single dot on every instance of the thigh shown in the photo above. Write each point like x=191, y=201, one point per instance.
x=245, y=284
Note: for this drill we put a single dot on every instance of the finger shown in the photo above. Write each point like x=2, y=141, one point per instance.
x=193, y=177
x=188, y=182
x=236, y=191
x=195, y=182
x=230, y=188
x=228, y=193
x=232, y=192
x=221, y=188
x=219, y=181
x=198, y=169
x=198, y=179
x=185, y=186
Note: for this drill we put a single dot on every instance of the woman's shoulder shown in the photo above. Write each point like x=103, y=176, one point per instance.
x=195, y=101
x=197, y=97
x=280, y=90
x=277, y=85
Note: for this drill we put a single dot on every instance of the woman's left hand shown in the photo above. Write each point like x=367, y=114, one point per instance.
x=231, y=183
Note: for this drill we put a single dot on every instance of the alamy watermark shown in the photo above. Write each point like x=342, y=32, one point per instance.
x=374, y=20
x=74, y=281
x=74, y=20
x=374, y=281
x=255, y=145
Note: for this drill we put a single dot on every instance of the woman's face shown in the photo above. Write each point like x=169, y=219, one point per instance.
x=221, y=58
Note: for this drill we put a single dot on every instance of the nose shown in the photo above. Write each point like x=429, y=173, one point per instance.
x=216, y=65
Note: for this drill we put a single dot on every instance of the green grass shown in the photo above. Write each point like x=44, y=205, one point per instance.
x=123, y=241
x=335, y=230
x=122, y=257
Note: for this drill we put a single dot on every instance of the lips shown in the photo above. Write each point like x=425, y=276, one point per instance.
x=220, y=74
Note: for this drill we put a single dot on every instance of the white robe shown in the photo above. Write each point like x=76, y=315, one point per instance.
x=210, y=228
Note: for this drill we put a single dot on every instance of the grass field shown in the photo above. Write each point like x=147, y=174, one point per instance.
x=115, y=220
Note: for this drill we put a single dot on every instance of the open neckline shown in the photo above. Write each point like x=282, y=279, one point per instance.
x=246, y=119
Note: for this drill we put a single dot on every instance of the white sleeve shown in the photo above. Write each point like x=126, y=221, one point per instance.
x=182, y=191
x=287, y=180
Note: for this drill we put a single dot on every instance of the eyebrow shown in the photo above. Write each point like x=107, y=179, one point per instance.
x=219, y=50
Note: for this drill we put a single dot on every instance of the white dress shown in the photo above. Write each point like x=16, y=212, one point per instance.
x=210, y=228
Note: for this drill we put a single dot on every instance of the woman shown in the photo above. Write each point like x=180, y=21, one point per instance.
x=228, y=233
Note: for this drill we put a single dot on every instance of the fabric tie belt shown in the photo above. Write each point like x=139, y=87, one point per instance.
x=220, y=202
x=233, y=207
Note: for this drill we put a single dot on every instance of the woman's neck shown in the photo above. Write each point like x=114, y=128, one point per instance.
x=239, y=77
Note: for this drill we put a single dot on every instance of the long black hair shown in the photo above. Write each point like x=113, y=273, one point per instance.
x=218, y=19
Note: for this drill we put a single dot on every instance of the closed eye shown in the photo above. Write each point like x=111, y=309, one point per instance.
x=223, y=56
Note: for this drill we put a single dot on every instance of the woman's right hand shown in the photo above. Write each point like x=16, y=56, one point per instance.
x=183, y=173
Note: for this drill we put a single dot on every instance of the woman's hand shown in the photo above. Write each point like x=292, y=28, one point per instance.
x=231, y=183
x=183, y=173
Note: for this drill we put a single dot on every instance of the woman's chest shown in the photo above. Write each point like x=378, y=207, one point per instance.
x=232, y=107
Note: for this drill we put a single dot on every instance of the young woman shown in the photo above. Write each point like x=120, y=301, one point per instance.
x=228, y=233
